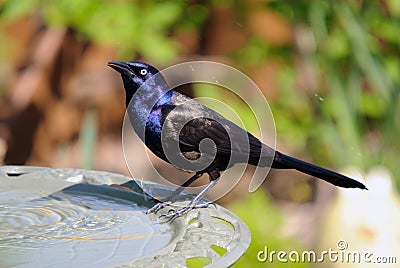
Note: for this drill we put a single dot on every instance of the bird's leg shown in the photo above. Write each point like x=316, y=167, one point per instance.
x=214, y=177
x=193, y=204
x=175, y=195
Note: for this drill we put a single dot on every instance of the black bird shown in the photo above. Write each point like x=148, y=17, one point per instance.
x=161, y=117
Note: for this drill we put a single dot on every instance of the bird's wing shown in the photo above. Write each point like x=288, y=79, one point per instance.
x=193, y=122
x=202, y=128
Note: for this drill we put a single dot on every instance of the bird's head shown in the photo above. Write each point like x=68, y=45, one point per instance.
x=135, y=74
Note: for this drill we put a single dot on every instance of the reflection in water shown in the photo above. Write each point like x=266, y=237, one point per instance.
x=66, y=229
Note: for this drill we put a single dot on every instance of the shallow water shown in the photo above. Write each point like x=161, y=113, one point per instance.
x=74, y=229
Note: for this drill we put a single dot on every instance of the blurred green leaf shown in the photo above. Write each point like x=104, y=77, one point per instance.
x=394, y=7
x=337, y=45
x=15, y=9
x=133, y=27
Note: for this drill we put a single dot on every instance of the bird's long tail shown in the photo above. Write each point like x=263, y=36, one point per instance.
x=282, y=161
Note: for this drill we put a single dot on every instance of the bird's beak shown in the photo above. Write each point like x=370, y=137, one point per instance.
x=119, y=66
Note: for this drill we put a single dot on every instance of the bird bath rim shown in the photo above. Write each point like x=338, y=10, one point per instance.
x=192, y=235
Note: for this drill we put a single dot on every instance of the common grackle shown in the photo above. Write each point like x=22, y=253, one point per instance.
x=156, y=110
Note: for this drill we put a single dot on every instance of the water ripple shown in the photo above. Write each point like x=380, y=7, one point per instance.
x=56, y=221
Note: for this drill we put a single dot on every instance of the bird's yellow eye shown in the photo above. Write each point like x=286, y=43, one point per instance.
x=143, y=72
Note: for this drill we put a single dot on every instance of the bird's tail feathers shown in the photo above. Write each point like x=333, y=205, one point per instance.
x=282, y=161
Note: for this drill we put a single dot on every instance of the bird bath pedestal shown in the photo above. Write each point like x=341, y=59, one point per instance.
x=72, y=217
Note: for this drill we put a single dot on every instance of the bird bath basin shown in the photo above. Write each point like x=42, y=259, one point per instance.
x=69, y=217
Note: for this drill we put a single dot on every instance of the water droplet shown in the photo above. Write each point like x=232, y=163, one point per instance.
x=215, y=79
x=319, y=97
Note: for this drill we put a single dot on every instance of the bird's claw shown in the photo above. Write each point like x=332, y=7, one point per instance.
x=172, y=214
x=157, y=207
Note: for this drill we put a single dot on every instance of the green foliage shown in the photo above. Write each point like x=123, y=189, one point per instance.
x=255, y=51
x=140, y=27
x=356, y=66
x=264, y=221
x=294, y=114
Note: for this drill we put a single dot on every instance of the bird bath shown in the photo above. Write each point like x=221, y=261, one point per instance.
x=71, y=217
